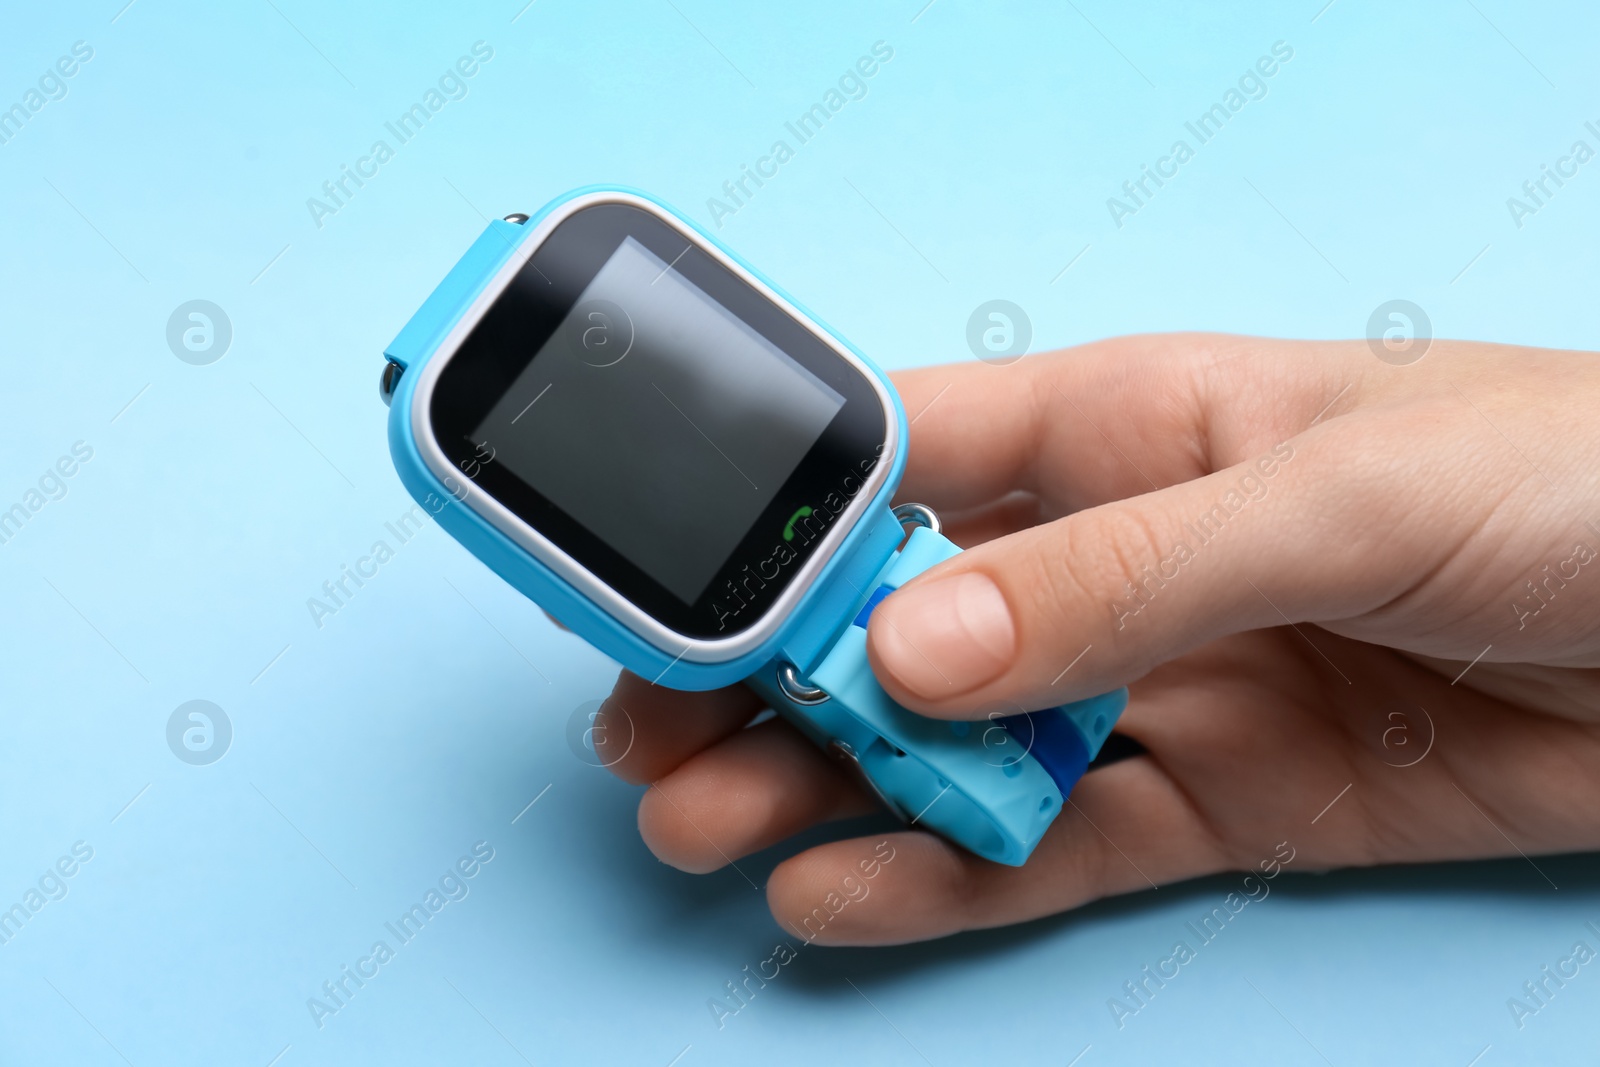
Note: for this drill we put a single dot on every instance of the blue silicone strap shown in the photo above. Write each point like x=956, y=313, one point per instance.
x=451, y=297
x=1066, y=739
x=1052, y=736
x=992, y=787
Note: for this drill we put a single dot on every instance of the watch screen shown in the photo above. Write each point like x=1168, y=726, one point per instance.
x=673, y=431
x=659, y=420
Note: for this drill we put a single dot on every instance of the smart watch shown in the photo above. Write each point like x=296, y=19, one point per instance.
x=673, y=458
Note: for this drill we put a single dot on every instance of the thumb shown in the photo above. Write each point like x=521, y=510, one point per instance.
x=1087, y=603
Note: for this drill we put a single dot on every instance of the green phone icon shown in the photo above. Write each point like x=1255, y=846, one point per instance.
x=788, y=527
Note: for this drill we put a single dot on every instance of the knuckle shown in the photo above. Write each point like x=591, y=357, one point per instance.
x=1112, y=556
x=1094, y=557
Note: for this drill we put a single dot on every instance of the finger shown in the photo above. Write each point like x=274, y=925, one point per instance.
x=754, y=789
x=1092, y=601
x=644, y=731
x=1113, y=419
x=1016, y=511
x=1127, y=828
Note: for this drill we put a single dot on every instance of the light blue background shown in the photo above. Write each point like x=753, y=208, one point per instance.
x=380, y=747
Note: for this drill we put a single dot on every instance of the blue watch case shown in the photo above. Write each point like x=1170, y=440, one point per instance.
x=826, y=596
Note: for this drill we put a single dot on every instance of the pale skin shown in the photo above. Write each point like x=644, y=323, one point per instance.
x=1399, y=536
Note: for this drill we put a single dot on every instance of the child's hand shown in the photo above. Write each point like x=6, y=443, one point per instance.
x=1319, y=544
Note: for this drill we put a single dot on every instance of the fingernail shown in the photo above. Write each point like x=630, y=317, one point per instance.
x=945, y=637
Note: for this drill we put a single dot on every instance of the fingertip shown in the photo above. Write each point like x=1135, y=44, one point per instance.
x=669, y=832
x=941, y=637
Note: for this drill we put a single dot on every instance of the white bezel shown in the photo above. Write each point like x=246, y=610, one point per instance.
x=669, y=641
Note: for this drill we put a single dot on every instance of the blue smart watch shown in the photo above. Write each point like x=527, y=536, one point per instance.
x=674, y=459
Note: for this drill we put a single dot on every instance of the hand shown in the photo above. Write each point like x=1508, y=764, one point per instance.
x=1358, y=606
